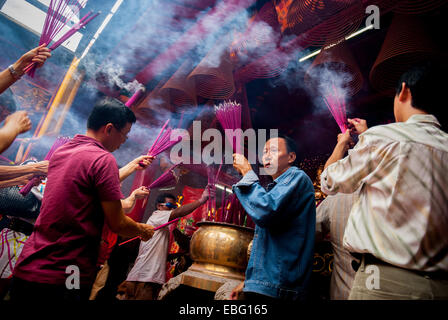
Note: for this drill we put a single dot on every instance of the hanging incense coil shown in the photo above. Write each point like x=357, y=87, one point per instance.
x=179, y=89
x=276, y=61
x=149, y=108
x=407, y=43
x=418, y=6
x=268, y=66
x=293, y=13
x=213, y=76
x=154, y=100
x=340, y=60
x=328, y=20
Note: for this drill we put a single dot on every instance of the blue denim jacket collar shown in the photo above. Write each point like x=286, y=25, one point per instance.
x=286, y=176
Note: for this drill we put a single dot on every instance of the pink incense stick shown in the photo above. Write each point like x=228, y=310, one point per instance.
x=84, y=21
x=135, y=97
x=30, y=69
x=6, y=159
x=211, y=203
x=167, y=179
x=229, y=116
x=155, y=229
x=59, y=13
x=158, y=136
x=336, y=104
x=162, y=142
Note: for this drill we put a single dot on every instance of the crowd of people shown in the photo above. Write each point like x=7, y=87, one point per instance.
x=385, y=215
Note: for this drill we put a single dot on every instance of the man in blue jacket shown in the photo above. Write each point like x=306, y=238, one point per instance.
x=280, y=263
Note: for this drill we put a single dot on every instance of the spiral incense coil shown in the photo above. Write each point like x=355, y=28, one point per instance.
x=214, y=81
x=307, y=10
x=407, y=43
x=337, y=26
x=328, y=20
x=275, y=62
x=154, y=100
x=339, y=59
x=180, y=90
x=268, y=66
x=418, y=6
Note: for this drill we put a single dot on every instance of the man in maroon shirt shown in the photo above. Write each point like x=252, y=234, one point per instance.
x=83, y=190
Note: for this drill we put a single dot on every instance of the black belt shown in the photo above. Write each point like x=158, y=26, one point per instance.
x=371, y=259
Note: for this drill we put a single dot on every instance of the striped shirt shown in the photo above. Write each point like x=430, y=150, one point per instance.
x=402, y=214
x=331, y=218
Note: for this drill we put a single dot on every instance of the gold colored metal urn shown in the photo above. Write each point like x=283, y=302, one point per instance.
x=219, y=251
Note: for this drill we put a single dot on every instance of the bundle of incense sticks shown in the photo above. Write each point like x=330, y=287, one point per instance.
x=212, y=177
x=167, y=179
x=162, y=141
x=335, y=102
x=60, y=141
x=234, y=213
x=59, y=13
x=229, y=116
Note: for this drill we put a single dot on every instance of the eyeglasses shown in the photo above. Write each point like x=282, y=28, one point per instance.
x=124, y=136
x=169, y=205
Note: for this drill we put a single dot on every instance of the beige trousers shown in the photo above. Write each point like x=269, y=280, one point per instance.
x=386, y=282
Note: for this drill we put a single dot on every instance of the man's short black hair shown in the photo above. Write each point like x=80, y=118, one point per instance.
x=426, y=83
x=161, y=198
x=110, y=110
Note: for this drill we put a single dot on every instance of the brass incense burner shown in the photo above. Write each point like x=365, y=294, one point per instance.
x=219, y=251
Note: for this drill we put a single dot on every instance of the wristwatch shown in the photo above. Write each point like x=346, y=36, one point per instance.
x=14, y=73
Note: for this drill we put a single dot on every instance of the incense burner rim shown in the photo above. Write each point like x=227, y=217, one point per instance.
x=223, y=224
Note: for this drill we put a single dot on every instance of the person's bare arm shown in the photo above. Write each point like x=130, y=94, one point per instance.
x=344, y=141
x=119, y=223
x=190, y=207
x=38, y=55
x=33, y=169
x=129, y=203
x=15, y=124
x=139, y=163
x=16, y=181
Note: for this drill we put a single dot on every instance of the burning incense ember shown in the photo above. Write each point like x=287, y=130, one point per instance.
x=135, y=97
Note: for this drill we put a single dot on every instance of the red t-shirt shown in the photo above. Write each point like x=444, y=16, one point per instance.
x=81, y=174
